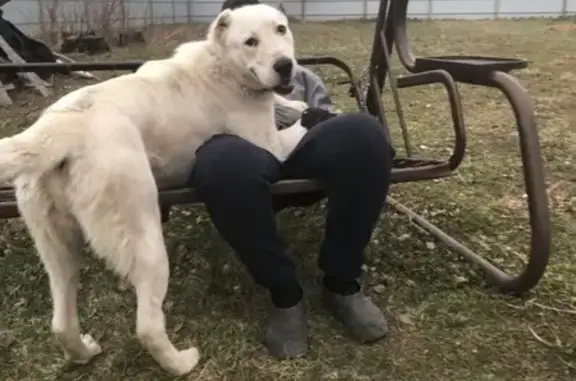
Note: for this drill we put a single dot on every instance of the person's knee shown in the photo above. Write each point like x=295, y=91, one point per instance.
x=228, y=163
x=362, y=136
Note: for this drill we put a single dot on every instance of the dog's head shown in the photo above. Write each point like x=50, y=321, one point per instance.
x=257, y=43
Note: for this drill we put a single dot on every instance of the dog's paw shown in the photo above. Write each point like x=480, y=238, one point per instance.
x=299, y=105
x=91, y=349
x=186, y=361
x=91, y=345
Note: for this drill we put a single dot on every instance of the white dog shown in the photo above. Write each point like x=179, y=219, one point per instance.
x=90, y=166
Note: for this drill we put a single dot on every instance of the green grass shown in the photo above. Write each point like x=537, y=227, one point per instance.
x=446, y=323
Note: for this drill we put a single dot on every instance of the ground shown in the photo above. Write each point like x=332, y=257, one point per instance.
x=446, y=322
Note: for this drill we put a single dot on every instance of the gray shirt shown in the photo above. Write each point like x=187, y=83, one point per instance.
x=309, y=88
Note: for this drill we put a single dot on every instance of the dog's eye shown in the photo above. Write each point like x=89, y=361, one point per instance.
x=281, y=29
x=251, y=42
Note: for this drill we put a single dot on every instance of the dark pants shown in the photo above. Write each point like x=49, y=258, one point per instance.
x=349, y=153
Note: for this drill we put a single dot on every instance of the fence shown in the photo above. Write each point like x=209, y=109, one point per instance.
x=30, y=14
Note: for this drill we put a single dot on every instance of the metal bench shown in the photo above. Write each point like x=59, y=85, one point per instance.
x=447, y=70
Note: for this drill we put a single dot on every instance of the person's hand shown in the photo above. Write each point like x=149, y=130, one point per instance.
x=314, y=115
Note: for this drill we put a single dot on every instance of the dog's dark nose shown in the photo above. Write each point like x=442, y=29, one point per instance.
x=283, y=66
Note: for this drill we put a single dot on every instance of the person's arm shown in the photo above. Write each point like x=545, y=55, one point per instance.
x=315, y=92
x=309, y=88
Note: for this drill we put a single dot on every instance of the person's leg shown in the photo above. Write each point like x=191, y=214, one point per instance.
x=232, y=177
x=353, y=157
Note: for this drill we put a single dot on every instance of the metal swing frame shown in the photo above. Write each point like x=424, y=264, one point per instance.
x=448, y=70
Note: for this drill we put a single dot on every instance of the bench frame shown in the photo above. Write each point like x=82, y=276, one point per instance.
x=448, y=71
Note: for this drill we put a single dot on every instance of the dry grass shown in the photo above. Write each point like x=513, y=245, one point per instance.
x=446, y=324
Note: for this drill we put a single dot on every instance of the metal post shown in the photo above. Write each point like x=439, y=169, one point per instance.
x=41, y=18
x=497, y=4
x=430, y=9
x=303, y=10
x=189, y=10
x=173, y=11
x=151, y=8
x=564, y=7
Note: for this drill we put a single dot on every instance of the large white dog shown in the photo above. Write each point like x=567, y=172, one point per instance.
x=90, y=166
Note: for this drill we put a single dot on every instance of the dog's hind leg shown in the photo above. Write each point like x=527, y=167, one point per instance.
x=120, y=216
x=149, y=276
x=58, y=241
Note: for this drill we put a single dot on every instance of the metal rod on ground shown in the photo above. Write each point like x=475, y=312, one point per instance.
x=451, y=242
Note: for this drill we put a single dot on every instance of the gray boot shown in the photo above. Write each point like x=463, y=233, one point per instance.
x=361, y=317
x=286, y=334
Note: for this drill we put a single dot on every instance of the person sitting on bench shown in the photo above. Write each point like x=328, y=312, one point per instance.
x=352, y=156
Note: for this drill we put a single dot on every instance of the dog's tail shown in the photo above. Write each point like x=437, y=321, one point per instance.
x=38, y=149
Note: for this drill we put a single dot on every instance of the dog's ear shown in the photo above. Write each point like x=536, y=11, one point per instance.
x=223, y=19
x=220, y=25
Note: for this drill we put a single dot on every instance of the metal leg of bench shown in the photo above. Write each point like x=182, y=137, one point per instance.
x=495, y=275
x=535, y=190
x=441, y=235
x=165, y=212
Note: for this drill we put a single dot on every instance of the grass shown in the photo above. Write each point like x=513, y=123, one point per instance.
x=446, y=323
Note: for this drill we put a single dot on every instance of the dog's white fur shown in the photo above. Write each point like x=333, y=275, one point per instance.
x=90, y=166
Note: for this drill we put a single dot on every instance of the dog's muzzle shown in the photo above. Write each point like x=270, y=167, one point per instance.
x=284, y=67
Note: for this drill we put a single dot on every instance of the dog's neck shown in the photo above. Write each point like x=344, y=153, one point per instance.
x=256, y=93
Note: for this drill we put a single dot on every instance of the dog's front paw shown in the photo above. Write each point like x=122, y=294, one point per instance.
x=186, y=361
x=299, y=105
